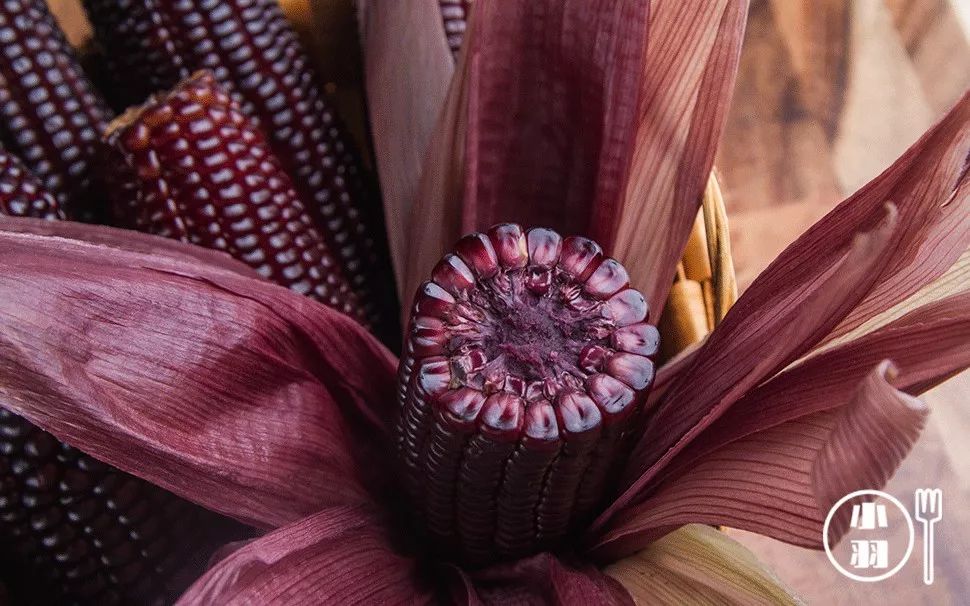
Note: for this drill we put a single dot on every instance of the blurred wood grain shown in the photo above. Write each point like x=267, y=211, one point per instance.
x=830, y=92
x=934, y=37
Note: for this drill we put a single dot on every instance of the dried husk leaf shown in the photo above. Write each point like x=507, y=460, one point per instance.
x=688, y=76
x=338, y=556
x=546, y=143
x=236, y=394
x=781, y=482
x=721, y=373
x=408, y=68
x=956, y=280
x=928, y=345
x=699, y=565
x=773, y=324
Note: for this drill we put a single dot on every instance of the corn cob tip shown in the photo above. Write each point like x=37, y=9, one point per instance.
x=190, y=165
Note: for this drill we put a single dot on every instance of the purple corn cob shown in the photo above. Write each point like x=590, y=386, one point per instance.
x=191, y=166
x=526, y=362
x=21, y=193
x=253, y=52
x=140, y=57
x=82, y=532
x=49, y=114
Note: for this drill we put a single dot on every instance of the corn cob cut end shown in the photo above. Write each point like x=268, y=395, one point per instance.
x=526, y=364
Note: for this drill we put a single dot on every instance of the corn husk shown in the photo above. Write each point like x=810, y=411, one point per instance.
x=705, y=286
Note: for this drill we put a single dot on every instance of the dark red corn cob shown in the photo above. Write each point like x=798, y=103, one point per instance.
x=191, y=166
x=454, y=15
x=483, y=463
x=527, y=469
x=580, y=425
x=252, y=50
x=21, y=193
x=526, y=362
x=50, y=115
x=454, y=427
x=138, y=52
x=82, y=532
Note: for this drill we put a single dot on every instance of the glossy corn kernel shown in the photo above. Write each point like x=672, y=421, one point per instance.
x=526, y=364
x=77, y=531
x=21, y=193
x=191, y=166
x=252, y=50
x=454, y=17
x=50, y=115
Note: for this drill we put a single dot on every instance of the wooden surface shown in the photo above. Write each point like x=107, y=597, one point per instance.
x=830, y=92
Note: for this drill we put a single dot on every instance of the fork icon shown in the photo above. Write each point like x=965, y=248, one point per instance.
x=929, y=511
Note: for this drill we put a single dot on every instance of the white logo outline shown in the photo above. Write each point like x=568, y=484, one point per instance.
x=928, y=508
x=909, y=523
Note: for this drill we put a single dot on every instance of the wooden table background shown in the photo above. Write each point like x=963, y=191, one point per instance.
x=830, y=92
